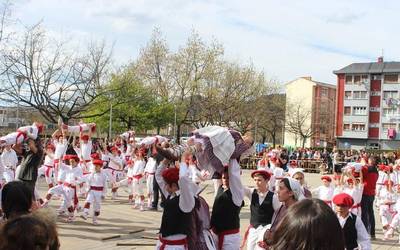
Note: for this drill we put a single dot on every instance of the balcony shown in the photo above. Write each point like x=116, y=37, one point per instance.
x=355, y=134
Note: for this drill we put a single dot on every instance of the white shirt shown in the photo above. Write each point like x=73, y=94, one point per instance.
x=74, y=175
x=9, y=159
x=324, y=193
x=62, y=172
x=97, y=180
x=115, y=162
x=150, y=166
x=49, y=160
x=138, y=167
x=355, y=193
x=363, y=239
x=61, y=148
x=86, y=150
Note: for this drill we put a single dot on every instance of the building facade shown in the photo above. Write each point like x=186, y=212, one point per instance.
x=367, y=113
x=317, y=101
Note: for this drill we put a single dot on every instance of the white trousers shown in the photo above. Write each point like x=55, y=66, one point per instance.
x=149, y=183
x=231, y=241
x=255, y=235
x=94, y=198
x=8, y=174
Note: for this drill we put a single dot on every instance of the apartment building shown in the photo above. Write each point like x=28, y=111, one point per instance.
x=367, y=112
x=317, y=99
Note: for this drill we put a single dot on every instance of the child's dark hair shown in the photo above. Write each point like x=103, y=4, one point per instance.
x=16, y=199
x=25, y=232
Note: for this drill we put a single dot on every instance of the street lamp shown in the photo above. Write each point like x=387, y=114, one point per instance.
x=110, y=122
x=19, y=79
x=175, y=135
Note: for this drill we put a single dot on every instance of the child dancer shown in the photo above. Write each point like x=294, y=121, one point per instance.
x=97, y=190
x=325, y=192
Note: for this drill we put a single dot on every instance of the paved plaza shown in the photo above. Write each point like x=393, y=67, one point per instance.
x=121, y=227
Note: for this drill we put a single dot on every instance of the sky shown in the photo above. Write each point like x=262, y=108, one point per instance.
x=285, y=39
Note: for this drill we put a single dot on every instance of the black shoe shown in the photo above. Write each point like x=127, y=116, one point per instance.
x=153, y=209
x=373, y=237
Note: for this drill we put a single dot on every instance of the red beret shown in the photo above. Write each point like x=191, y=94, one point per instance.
x=171, y=175
x=51, y=146
x=350, y=181
x=85, y=137
x=381, y=167
x=97, y=162
x=264, y=173
x=129, y=162
x=325, y=177
x=70, y=157
x=343, y=199
x=388, y=182
x=95, y=156
x=114, y=149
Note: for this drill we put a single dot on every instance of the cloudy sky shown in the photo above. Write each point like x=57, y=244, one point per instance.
x=286, y=39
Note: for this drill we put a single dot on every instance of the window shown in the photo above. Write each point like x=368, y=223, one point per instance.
x=347, y=110
x=357, y=79
x=359, y=110
x=386, y=126
x=376, y=77
x=389, y=94
x=389, y=111
x=374, y=109
x=358, y=127
x=324, y=92
x=392, y=78
x=349, y=79
x=347, y=95
x=346, y=126
x=360, y=94
x=364, y=78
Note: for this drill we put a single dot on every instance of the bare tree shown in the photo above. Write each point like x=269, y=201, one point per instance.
x=152, y=66
x=5, y=20
x=272, y=117
x=49, y=76
x=298, y=121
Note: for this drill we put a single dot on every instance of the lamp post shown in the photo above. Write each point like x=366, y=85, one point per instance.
x=175, y=135
x=110, y=121
x=19, y=80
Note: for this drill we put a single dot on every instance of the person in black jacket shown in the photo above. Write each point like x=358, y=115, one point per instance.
x=225, y=221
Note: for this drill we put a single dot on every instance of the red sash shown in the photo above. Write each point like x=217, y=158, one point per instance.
x=96, y=188
x=165, y=243
x=221, y=236
x=138, y=176
x=47, y=171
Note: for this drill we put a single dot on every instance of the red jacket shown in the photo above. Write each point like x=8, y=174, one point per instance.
x=370, y=176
